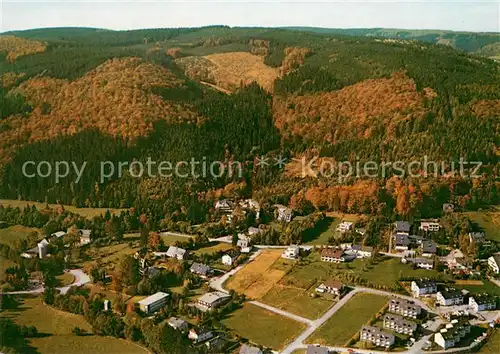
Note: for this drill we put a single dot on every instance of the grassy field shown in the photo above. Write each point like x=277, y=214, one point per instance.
x=260, y=275
x=56, y=327
x=86, y=212
x=493, y=344
x=169, y=240
x=487, y=287
x=347, y=321
x=214, y=248
x=489, y=221
x=65, y=279
x=263, y=327
x=4, y=264
x=297, y=301
x=109, y=255
x=9, y=235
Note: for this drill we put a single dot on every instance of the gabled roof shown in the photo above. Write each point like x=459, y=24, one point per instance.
x=200, y=268
x=176, y=322
x=246, y=349
x=331, y=283
x=212, y=297
x=425, y=283
x=484, y=299
x=331, y=252
x=312, y=349
x=451, y=293
x=429, y=247
x=402, y=240
x=58, y=234
x=175, y=251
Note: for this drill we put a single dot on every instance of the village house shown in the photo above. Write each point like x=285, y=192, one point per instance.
x=176, y=252
x=457, y=262
x=477, y=237
x=494, y=263
x=451, y=335
x=230, y=257
x=58, y=234
x=406, y=308
x=401, y=242
x=153, y=303
x=244, y=243
x=331, y=286
x=448, y=207
x=423, y=287
x=201, y=269
x=224, y=206
x=376, y=336
x=359, y=251
x=247, y=349
x=210, y=301
x=429, y=248
x=254, y=231
x=429, y=225
x=482, y=303
x=283, y=213
x=344, y=226
x=399, y=324
x=332, y=255
x=449, y=297
x=291, y=252
x=84, y=235
x=178, y=324
x=361, y=231
x=423, y=263
x=250, y=204
x=317, y=349
x=198, y=335
x=402, y=227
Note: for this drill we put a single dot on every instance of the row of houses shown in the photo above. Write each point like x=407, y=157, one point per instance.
x=428, y=225
x=452, y=334
x=42, y=247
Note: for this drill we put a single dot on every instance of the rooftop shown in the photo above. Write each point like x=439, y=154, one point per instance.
x=403, y=226
x=153, y=298
x=331, y=252
x=213, y=297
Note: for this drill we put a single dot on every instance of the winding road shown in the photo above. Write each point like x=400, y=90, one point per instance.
x=81, y=278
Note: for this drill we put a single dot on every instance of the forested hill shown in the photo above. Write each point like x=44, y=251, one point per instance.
x=239, y=94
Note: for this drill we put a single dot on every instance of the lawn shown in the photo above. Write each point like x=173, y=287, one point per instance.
x=487, y=287
x=217, y=247
x=347, y=321
x=109, y=255
x=10, y=234
x=297, y=301
x=259, y=276
x=89, y=213
x=493, y=344
x=4, y=264
x=169, y=240
x=489, y=221
x=57, y=326
x=263, y=327
x=65, y=279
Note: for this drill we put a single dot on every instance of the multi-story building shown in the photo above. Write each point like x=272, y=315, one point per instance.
x=402, y=227
x=212, y=300
x=291, y=252
x=332, y=255
x=423, y=287
x=376, y=336
x=449, y=297
x=482, y=303
x=452, y=333
x=429, y=225
x=153, y=303
x=344, y=226
x=494, y=263
x=399, y=324
x=405, y=307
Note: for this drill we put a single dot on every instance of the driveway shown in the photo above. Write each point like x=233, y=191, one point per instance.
x=81, y=278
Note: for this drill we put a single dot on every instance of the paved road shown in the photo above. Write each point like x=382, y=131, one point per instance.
x=80, y=279
x=217, y=283
x=283, y=313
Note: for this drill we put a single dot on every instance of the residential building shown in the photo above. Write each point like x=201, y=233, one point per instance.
x=216, y=345
x=477, y=237
x=244, y=243
x=344, y=226
x=331, y=286
x=246, y=349
x=254, y=231
x=198, y=335
x=283, y=213
x=448, y=207
x=291, y=252
x=176, y=252
x=482, y=303
x=401, y=242
x=451, y=335
x=361, y=231
x=153, y=303
x=429, y=225
x=423, y=287
x=43, y=247
x=402, y=227
x=201, y=269
x=429, y=248
x=316, y=349
x=494, y=263
x=376, y=336
x=178, y=324
x=58, y=234
x=212, y=300
x=230, y=257
x=224, y=206
x=404, y=307
x=449, y=296
x=457, y=262
x=423, y=263
x=399, y=324
x=251, y=204
x=333, y=255
x=84, y=236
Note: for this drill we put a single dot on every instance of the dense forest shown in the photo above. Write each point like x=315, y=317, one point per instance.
x=88, y=95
